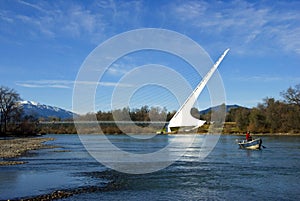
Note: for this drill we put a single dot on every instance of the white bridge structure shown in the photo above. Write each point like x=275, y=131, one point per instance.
x=183, y=117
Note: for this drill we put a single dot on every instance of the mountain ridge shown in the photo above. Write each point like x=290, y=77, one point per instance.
x=216, y=108
x=38, y=110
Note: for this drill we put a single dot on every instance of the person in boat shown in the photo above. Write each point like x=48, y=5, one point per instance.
x=248, y=136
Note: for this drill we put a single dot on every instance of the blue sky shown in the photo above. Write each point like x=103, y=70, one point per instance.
x=44, y=43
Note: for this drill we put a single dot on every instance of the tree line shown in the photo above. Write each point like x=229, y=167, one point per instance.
x=143, y=114
x=270, y=116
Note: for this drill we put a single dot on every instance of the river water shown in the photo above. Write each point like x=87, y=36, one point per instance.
x=227, y=173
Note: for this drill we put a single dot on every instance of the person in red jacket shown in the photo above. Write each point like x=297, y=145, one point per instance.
x=248, y=136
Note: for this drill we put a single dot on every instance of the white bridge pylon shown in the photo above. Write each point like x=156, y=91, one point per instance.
x=183, y=117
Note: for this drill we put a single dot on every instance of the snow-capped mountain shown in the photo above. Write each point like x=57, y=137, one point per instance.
x=40, y=110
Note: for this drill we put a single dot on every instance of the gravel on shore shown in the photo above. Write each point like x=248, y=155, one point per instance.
x=11, y=148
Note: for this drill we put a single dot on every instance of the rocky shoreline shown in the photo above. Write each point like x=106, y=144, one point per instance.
x=16, y=147
x=60, y=194
x=11, y=148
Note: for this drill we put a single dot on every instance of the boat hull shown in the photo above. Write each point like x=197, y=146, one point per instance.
x=253, y=144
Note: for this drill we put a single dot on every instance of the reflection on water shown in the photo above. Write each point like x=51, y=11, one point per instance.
x=228, y=173
x=138, y=155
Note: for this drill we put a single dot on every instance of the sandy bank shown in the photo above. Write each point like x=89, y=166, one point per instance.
x=10, y=148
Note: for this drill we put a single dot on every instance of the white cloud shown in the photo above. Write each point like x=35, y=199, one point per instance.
x=35, y=6
x=260, y=78
x=56, y=19
x=66, y=84
x=243, y=24
x=190, y=9
x=87, y=21
x=4, y=15
x=115, y=70
x=266, y=78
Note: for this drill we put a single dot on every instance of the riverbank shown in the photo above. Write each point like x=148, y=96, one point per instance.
x=11, y=148
x=229, y=128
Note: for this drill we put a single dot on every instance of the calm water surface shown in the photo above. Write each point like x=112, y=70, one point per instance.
x=228, y=173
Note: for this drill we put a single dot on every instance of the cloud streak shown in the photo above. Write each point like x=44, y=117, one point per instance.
x=240, y=23
x=55, y=20
x=243, y=24
x=65, y=84
x=266, y=78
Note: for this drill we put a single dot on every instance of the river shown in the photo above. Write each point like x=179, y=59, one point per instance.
x=227, y=173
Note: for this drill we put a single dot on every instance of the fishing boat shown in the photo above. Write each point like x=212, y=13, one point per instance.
x=252, y=144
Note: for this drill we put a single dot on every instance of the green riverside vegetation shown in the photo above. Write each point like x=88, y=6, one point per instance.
x=270, y=116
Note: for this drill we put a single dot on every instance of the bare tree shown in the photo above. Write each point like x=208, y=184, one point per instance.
x=8, y=107
x=292, y=95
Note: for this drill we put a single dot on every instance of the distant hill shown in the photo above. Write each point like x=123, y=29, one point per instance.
x=216, y=108
x=44, y=111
